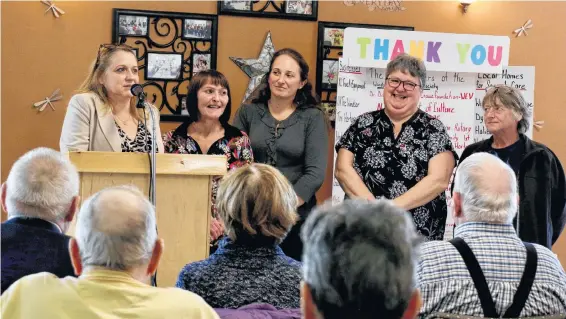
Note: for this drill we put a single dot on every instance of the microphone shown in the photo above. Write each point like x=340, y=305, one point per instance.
x=137, y=91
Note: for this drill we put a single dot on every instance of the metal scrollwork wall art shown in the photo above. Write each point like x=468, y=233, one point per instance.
x=330, y=43
x=170, y=48
x=290, y=9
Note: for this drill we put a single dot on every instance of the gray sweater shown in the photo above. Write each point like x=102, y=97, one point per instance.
x=297, y=146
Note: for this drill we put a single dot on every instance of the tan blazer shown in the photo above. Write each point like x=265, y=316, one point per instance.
x=89, y=126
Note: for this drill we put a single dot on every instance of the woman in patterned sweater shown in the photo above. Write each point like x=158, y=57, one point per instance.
x=258, y=206
x=207, y=131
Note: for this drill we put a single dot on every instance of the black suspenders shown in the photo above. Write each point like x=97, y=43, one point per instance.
x=480, y=283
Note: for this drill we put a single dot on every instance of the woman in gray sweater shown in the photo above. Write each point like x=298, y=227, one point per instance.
x=289, y=131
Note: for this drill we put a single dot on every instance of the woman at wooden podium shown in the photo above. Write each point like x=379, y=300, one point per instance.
x=206, y=131
x=103, y=116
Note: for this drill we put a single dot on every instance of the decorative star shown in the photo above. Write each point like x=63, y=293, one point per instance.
x=256, y=68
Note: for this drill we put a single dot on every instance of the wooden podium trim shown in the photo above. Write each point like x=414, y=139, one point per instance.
x=138, y=163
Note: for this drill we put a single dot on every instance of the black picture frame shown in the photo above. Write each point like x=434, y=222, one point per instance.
x=271, y=9
x=165, y=36
x=163, y=66
x=201, y=34
x=132, y=25
x=330, y=51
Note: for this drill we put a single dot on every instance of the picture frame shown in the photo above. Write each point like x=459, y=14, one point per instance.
x=201, y=62
x=329, y=50
x=166, y=50
x=290, y=9
x=132, y=25
x=197, y=29
x=329, y=73
x=163, y=66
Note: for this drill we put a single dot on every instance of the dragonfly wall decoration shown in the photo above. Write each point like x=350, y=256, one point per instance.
x=56, y=11
x=41, y=105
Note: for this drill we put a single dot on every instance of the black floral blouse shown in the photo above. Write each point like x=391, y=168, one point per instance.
x=140, y=144
x=235, y=145
x=390, y=166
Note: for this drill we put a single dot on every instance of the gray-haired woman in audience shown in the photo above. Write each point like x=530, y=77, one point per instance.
x=258, y=207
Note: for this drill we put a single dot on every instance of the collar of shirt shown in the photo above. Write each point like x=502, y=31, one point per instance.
x=479, y=229
x=102, y=274
x=52, y=223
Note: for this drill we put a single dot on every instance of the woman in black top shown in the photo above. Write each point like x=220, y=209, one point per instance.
x=288, y=130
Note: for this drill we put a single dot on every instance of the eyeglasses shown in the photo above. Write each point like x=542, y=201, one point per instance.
x=407, y=85
x=109, y=48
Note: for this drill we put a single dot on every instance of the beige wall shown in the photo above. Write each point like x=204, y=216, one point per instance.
x=40, y=54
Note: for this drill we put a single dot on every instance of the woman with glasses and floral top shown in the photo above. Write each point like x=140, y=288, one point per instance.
x=540, y=175
x=103, y=116
x=400, y=152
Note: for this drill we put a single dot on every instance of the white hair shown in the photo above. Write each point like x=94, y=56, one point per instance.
x=41, y=184
x=116, y=229
x=488, y=188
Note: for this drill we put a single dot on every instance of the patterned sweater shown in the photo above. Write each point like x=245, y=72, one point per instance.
x=240, y=274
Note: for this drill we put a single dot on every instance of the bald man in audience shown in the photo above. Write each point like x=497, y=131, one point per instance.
x=40, y=197
x=486, y=270
x=358, y=262
x=115, y=252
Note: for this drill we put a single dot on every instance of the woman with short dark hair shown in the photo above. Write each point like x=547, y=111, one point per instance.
x=207, y=130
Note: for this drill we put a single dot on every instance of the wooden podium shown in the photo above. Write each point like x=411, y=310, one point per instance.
x=183, y=187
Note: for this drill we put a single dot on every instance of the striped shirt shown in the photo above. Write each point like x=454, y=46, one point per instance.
x=446, y=285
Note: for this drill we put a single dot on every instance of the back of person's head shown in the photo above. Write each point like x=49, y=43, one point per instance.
x=116, y=229
x=42, y=183
x=485, y=190
x=257, y=204
x=359, y=262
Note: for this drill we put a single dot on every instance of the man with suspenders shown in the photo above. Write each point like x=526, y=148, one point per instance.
x=486, y=270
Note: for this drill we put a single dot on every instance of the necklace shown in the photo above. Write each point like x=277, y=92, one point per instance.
x=124, y=122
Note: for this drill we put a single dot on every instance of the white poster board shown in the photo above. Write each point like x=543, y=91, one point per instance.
x=440, y=51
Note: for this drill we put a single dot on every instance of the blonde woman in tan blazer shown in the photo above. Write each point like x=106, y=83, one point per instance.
x=103, y=116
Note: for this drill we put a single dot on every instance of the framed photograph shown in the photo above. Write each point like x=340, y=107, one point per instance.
x=201, y=62
x=237, y=5
x=132, y=25
x=170, y=47
x=330, y=110
x=135, y=52
x=163, y=66
x=333, y=37
x=329, y=73
x=184, y=110
x=197, y=29
x=303, y=7
x=296, y=9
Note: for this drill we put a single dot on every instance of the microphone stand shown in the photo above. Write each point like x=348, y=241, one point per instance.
x=152, y=158
x=153, y=167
